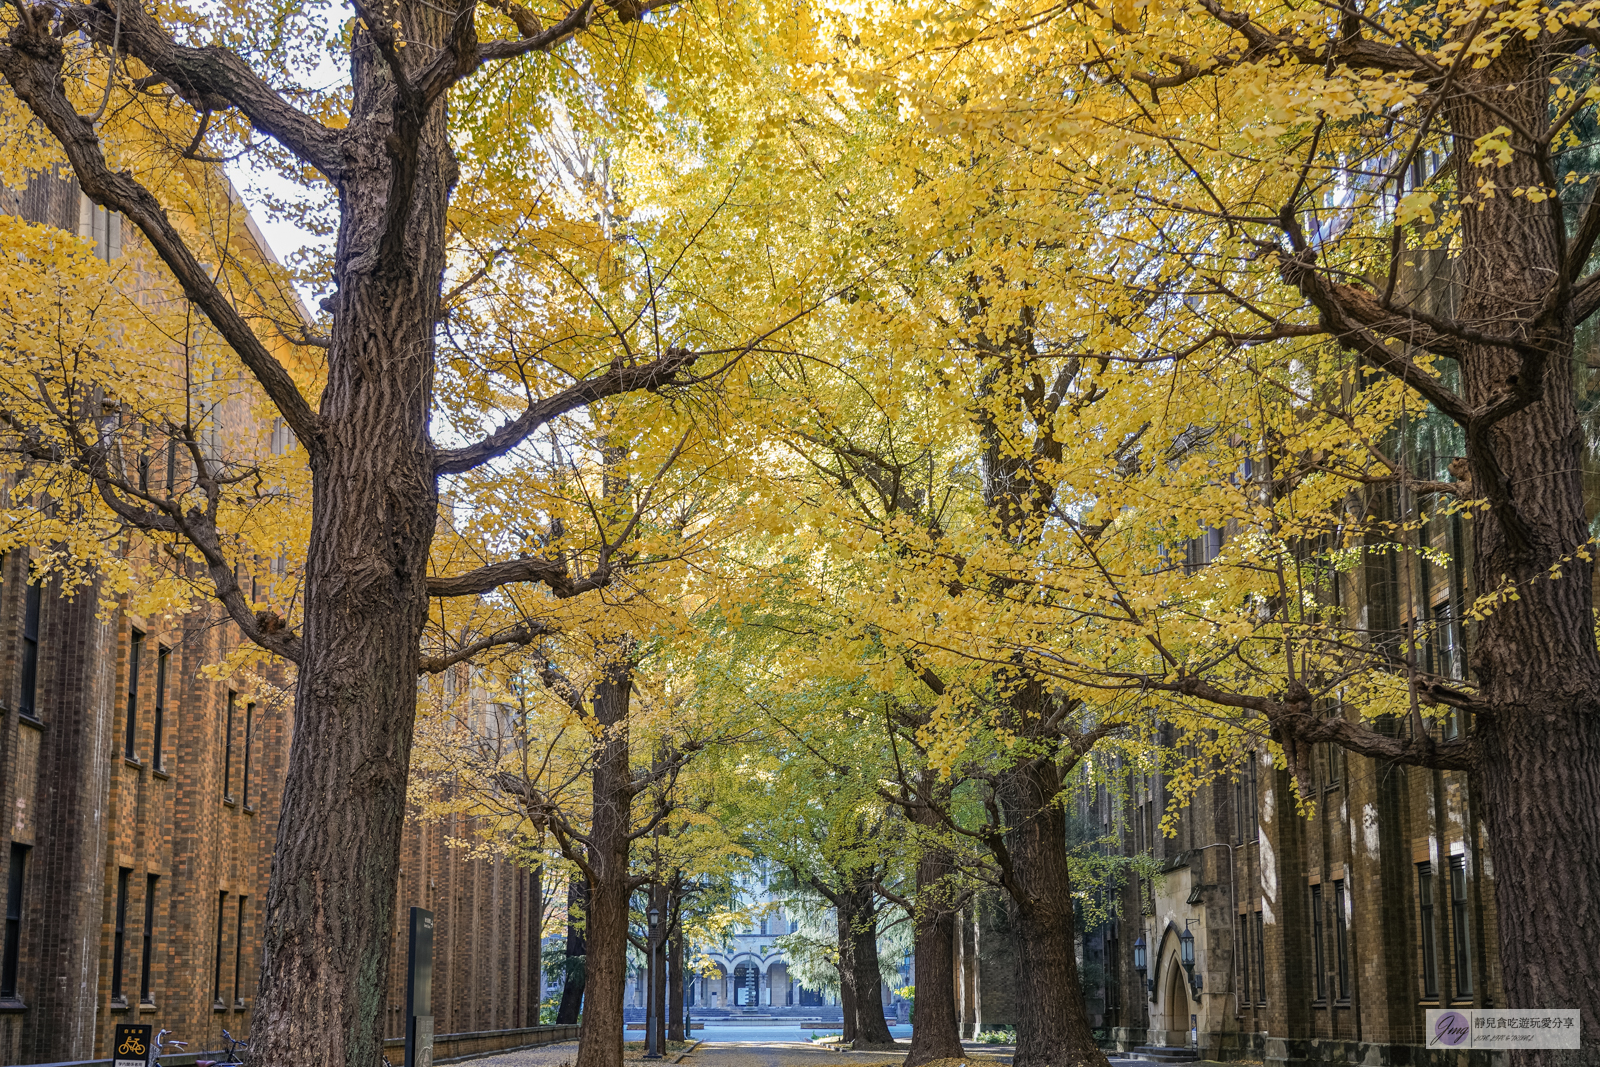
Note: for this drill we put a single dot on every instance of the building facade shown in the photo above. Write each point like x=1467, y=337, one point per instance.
x=1317, y=936
x=141, y=791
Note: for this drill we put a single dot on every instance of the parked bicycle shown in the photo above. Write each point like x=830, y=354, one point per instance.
x=235, y=1046
x=230, y=1056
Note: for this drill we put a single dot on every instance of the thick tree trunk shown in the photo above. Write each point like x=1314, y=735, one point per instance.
x=1534, y=656
x=600, y=1044
x=576, y=968
x=325, y=957
x=1052, y=1028
x=858, y=925
x=936, y=1027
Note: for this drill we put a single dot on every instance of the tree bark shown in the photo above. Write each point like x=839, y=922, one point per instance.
x=1052, y=1028
x=329, y=909
x=858, y=935
x=1534, y=657
x=675, y=964
x=576, y=968
x=847, y=979
x=660, y=900
x=600, y=1043
x=936, y=1028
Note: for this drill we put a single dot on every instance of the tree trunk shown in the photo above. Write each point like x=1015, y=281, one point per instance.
x=330, y=903
x=675, y=976
x=576, y=968
x=611, y=888
x=847, y=978
x=858, y=925
x=658, y=971
x=1534, y=657
x=936, y=1027
x=1052, y=1028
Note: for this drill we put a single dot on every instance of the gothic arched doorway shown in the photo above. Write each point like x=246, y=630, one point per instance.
x=1175, y=1014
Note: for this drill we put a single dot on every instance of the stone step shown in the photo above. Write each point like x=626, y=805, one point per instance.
x=1166, y=1054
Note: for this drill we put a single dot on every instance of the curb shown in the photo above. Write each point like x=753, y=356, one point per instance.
x=688, y=1050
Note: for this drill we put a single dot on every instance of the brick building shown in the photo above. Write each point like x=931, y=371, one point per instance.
x=1321, y=939
x=141, y=795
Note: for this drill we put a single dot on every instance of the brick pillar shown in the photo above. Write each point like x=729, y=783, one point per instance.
x=60, y=973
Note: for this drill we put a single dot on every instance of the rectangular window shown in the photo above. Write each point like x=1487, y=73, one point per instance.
x=244, y=777
x=1252, y=824
x=131, y=733
x=1341, y=954
x=163, y=654
x=1261, y=961
x=1319, y=966
x=216, y=971
x=227, y=749
x=13, y=947
x=1430, y=952
x=119, y=933
x=1238, y=808
x=146, y=949
x=1244, y=957
x=1459, y=932
x=28, y=668
x=238, y=955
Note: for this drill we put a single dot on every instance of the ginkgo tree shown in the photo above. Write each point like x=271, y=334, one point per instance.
x=1279, y=232
x=123, y=96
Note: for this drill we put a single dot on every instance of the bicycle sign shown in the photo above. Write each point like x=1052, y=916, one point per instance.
x=130, y=1045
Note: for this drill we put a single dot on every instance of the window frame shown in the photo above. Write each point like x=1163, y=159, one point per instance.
x=1428, y=926
x=158, y=757
x=227, y=750
x=119, y=936
x=1318, y=955
x=28, y=655
x=11, y=953
x=146, y=949
x=216, y=972
x=130, y=739
x=1341, y=947
x=1460, y=927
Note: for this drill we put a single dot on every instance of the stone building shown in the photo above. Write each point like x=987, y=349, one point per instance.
x=141, y=797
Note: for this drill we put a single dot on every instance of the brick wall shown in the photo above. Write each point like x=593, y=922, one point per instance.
x=191, y=828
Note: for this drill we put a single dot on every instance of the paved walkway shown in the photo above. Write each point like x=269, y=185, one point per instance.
x=772, y=1052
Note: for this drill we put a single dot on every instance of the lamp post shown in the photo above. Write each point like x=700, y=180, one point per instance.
x=651, y=1050
x=1141, y=962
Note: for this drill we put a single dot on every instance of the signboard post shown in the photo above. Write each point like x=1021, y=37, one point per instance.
x=419, y=990
x=130, y=1045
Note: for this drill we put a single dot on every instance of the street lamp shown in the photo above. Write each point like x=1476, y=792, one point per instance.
x=652, y=1050
x=1186, y=955
x=1141, y=963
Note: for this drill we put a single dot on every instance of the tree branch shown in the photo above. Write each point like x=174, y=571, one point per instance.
x=32, y=65
x=614, y=382
x=213, y=78
x=523, y=633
